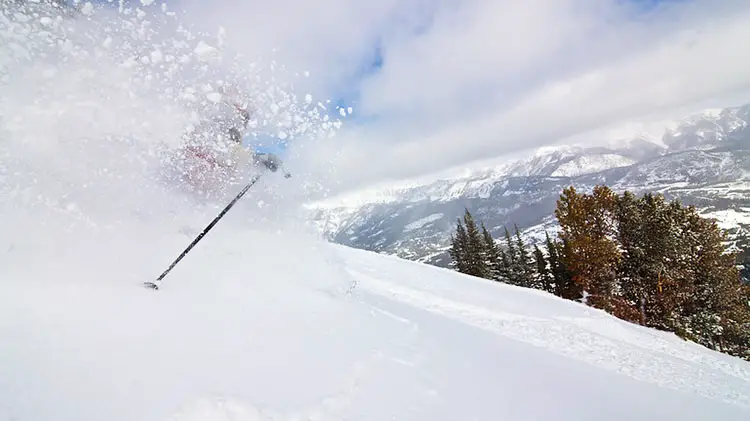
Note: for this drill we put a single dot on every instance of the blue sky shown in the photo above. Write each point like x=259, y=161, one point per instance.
x=349, y=93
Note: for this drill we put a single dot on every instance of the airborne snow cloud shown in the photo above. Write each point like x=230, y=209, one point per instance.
x=456, y=82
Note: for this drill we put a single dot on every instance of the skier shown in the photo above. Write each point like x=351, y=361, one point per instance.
x=213, y=151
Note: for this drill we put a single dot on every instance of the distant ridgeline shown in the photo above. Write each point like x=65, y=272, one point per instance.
x=643, y=259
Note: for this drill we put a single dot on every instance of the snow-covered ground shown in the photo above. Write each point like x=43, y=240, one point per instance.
x=730, y=219
x=263, y=320
x=257, y=325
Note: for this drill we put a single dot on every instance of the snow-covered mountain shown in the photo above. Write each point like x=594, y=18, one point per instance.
x=703, y=160
x=710, y=128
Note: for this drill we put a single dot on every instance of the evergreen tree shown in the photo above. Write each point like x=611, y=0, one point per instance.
x=647, y=231
x=459, y=248
x=544, y=279
x=562, y=283
x=714, y=309
x=566, y=285
x=504, y=267
x=629, y=235
x=524, y=267
x=554, y=265
x=587, y=226
x=475, y=249
x=492, y=254
x=653, y=262
x=511, y=261
x=662, y=279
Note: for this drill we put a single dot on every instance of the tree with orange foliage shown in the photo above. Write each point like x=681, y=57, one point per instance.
x=588, y=228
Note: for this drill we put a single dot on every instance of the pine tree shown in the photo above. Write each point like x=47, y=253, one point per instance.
x=647, y=232
x=511, y=261
x=653, y=262
x=475, y=249
x=587, y=227
x=524, y=268
x=661, y=280
x=714, y=310
x=562, y=283
x=492, y=254
x=459, y=248
x=629, y=235
x=554, y=265
x=504, y=267
x=566, y=285
x=544, y=279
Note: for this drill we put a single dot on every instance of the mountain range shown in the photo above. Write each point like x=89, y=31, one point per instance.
x=702, y=160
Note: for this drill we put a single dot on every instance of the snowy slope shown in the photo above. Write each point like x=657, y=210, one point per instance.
x=263, y=320
x=238, y=332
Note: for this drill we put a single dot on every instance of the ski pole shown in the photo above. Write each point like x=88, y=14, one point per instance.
x=155, y=284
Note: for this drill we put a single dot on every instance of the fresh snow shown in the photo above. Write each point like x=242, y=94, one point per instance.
x=87, y=8
x=205, y=52
x=263, y=320
x=236, y=330
x=214, y=97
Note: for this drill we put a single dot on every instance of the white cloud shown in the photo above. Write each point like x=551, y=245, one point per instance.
x=481, y=78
